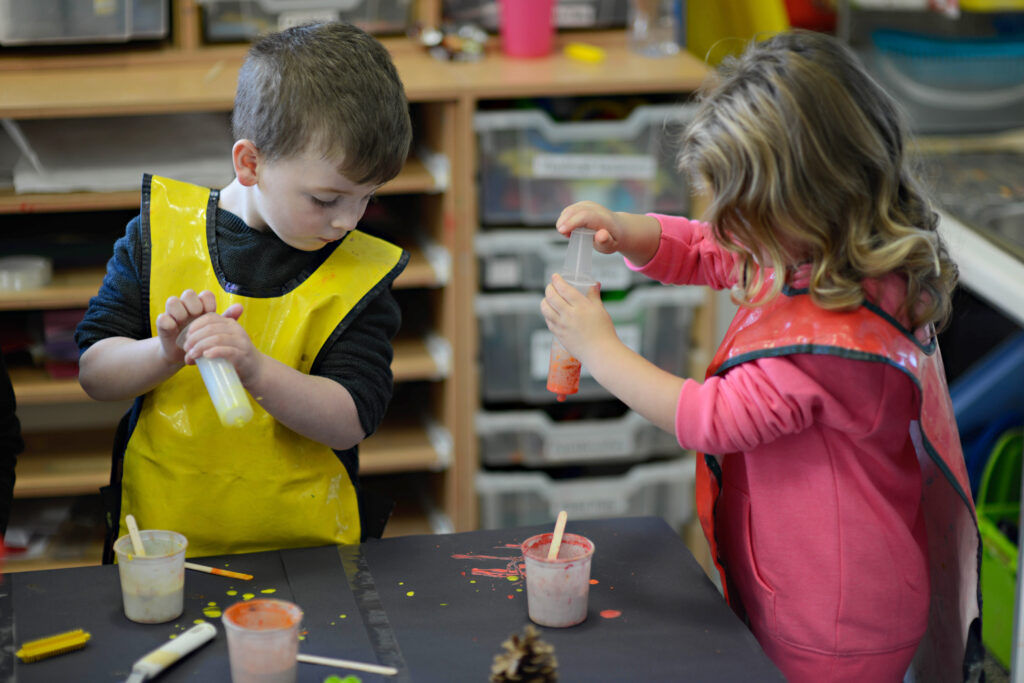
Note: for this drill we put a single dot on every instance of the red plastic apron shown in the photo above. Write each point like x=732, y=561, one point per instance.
x=791, y=324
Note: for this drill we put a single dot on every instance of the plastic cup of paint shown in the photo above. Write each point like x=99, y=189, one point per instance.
x=558, y=590
x=263, y=640
x=152, y=586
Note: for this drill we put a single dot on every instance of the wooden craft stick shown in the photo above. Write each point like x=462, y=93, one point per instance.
x=133, y=532
x=218, y=571
x=556, y=540
x=348, y=664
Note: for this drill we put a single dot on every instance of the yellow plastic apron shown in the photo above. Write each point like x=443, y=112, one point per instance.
x=260, y=486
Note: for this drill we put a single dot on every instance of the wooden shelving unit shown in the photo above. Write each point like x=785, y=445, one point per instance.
x=183, y=75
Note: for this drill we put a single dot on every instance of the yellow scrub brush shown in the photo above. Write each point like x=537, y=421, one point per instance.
x=58, y=644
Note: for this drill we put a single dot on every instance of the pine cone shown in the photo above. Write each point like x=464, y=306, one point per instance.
x=526, y=659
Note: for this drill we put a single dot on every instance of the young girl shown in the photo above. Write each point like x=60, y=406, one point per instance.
x=831, y=484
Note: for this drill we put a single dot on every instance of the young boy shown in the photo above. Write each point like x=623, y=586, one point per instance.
x=306, y=314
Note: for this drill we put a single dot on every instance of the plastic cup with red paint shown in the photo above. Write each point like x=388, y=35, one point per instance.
x=563, y=368
x=558, y=590
x=263, y=640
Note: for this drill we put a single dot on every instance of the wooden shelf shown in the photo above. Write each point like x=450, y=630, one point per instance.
x=34, y=386
x=204, y=80
x=78, y=461
x=414, y=178
x=73, y=287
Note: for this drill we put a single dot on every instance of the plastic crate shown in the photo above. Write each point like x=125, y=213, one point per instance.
x=243, y=20
x=515, y=344
x=569, y=14
x=532, y=167
x=534, y=439
x=44, y=22
x=524, y=259
x=955, y=84
x=663, y=489
x=999, y=510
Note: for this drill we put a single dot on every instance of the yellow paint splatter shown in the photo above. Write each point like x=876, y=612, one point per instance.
x=212, y=612
x=267, y=591
x=512, y=578
x=248, y=596
x=173, y=636
x=410, y=593
x=444, y=604
x=472, y=580
x=199, y=621
x=232, y=592
x=343, y=616
x=211, y=604
x=401, y=583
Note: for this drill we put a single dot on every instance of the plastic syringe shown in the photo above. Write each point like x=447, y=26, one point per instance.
x=563, y=368
x=229, y=397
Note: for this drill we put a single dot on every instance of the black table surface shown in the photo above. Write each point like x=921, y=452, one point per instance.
x=436, y=607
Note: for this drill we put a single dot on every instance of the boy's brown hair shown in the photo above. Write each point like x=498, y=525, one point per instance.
x=329, y=87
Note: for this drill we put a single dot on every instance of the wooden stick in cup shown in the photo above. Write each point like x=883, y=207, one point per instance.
x=348, y=664
x=133, y=531
x=556, y=540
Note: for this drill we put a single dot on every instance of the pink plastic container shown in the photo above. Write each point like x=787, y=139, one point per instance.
x=527, y=27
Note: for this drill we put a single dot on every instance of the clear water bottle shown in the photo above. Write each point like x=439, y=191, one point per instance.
x=654, y=26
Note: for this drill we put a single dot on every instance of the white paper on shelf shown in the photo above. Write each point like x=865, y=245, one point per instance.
x=107, y=154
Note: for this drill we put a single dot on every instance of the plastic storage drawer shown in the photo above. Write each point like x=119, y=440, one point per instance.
x=525, y=258
x=533, y=439
x=39, y=22
x=515, y=344
x=568, y=13
x=532, y=167
x=663, y=489
x=952, y=85
x=243, y=20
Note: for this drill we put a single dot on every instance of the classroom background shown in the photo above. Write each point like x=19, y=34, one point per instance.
x=509, y=128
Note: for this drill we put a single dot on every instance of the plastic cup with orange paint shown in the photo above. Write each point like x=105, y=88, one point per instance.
x=563, y=368
x=263, y=640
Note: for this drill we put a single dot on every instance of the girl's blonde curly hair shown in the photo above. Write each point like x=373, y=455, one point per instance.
x=802, y=156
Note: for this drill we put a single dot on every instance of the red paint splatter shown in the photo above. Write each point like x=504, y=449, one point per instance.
x=511, y=597
x=611, y=613
x=594, y=582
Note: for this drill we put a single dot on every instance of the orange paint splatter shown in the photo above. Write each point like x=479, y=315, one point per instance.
x=611, y=613
x=594, y=582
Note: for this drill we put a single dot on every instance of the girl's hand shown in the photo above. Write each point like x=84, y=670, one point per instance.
x=636, y=237
x=178, y=313
x=608, y=229
x=579, y=322
x=220, y=336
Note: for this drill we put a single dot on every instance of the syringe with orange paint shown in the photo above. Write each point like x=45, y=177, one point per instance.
x=563, y=368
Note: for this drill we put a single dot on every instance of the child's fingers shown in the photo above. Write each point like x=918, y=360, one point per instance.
x=234, y=311
x=208, y=301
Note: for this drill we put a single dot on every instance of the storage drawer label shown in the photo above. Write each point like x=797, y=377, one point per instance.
x=595, y=166
x=596, y=444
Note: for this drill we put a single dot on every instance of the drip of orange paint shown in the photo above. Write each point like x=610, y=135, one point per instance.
x=610, y=613
x=563, y=372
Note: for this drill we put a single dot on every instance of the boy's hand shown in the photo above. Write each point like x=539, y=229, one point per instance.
x=220, y=336
x=179, y=311
x=579, y=322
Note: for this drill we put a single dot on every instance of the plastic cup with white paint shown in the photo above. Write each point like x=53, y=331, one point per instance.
x=229, y=397
x=558, y=590
x=563, y=368
x=263, y=640
x=152, y=586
